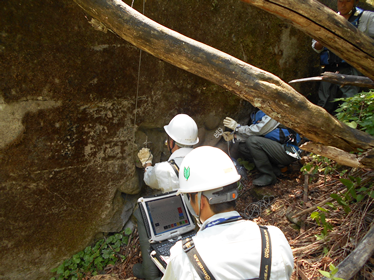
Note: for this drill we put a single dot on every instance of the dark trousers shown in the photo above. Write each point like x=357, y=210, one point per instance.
x=327, y=92
x=266, y=154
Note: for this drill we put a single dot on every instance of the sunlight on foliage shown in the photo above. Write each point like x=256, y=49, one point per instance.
x=358, y=111
x=93, y=260
x=330, y=275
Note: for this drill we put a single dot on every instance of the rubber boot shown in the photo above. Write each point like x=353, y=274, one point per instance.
x=146, y=270
x=262, y=162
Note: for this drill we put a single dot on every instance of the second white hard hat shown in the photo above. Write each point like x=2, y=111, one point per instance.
x=183, y=129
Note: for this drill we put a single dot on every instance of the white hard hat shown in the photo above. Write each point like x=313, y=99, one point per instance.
x=183, y=129
x=206, y=168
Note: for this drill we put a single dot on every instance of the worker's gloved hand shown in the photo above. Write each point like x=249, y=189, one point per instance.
x=228, y=136
x=230, y=123
x=145, y=156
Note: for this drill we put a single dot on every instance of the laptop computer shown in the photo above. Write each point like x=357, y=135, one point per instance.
x=167, y=221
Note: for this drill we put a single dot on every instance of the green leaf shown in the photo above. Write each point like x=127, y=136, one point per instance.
x=76, y=258
x=325, y=273
x=60, y=269
x=333, y=269
x=314, y=215
x=346, y=182
x=128, y=231
x=347, y=209
x=320, y=236
x=352, y=124
x=109, y=239
x=322, y=209
x=98, y=260
x=360, y=197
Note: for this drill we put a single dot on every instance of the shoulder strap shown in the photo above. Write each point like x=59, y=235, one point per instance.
x=265, y=268
x=203, y=271
x=175, y=166
x=196, y=260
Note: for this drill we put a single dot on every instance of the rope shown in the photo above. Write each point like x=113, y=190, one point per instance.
x=140, y=62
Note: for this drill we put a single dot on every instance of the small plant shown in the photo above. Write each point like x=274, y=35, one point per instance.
x=355, y=192
x=94, y=259
x=358, y=111
x=330, y=275
x=319, y=164
x=320, y=218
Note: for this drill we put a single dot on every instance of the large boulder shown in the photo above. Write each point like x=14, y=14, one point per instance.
x=76, y=104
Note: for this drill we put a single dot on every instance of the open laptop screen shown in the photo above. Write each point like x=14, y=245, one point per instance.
x=167, y=214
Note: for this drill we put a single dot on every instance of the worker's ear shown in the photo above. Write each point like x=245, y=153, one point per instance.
x=204, y=202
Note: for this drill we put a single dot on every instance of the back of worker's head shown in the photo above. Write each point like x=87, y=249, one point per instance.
x=183, y=130
x=210, y=172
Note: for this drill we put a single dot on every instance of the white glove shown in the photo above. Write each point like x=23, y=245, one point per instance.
x=145, y=156
x=230, y=123
x=228, y=136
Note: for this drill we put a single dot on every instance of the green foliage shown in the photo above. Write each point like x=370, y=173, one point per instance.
x=355, y=192
x=358, y=111
x=318, y=164
x=94, y=259
x=330, y=275
x=320, y=218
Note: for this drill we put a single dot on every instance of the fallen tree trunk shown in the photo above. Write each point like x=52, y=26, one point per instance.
x=333, y=153
x=355, y=260
x=324, y=25
x=339, y=79
x=262, y=89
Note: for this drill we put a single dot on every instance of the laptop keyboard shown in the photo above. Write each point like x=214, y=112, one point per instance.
x=163, y=248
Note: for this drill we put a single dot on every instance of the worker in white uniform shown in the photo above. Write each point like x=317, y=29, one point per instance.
x=182, y=134
x=229, y=246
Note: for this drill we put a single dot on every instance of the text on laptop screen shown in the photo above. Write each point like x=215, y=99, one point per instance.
x=167, y=214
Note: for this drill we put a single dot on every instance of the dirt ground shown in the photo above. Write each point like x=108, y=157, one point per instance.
x=276, y=205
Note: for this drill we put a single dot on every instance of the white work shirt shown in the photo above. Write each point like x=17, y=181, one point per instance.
x=232, y=251
x=162, y=176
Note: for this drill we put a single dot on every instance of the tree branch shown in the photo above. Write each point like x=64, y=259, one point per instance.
x=262, y=89
x=333, y=153
x=327, y=27
x=339, y=79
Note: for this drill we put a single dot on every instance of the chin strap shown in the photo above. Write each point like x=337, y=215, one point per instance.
x=198, y=205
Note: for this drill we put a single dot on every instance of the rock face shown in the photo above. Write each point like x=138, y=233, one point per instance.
x=75, y=109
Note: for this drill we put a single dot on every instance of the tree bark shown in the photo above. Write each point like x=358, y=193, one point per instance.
x=344, y=80
x=327, y=27
x=262, y=89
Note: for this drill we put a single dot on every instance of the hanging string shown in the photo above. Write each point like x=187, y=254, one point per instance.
x=140, y=61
